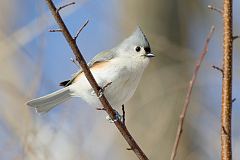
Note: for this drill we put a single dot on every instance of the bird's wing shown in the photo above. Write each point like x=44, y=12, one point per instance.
x=101, y=57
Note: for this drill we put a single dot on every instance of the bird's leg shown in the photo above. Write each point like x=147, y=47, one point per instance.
x=101, y=90
x=117, y=117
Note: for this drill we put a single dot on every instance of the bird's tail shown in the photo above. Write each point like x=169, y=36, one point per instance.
x=47, y=102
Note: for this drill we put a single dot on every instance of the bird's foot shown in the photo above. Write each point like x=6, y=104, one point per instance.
x=101, y=90
x=116, y=117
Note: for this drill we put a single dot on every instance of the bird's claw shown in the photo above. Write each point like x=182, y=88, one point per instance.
x=101, y=90
x=116, y=117
x=100, y=93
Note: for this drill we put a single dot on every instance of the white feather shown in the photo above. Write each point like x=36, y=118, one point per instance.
x=124, y=73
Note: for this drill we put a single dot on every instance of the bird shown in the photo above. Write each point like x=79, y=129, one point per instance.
x=117, y=70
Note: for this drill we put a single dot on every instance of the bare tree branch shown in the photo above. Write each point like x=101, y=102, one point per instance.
x=215, y=9
x=217, y=68
x=123, y=115
x=55, y=30
x=236, y=37
x=226, y=144
x=80, y=30
x=64, y=6
x=72, y=43
x=74, y=61
x=187, y=99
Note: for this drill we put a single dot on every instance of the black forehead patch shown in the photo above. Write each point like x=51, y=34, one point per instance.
x=147, y=49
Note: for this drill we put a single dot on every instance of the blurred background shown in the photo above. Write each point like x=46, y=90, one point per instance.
x=33, y=62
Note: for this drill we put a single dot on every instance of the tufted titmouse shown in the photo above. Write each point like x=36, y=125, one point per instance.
x=121, y=66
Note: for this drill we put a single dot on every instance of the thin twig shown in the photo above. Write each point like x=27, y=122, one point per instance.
x=66, y=5
x=236, y=37
x=74, y=61
x=104, y=87
x=100, y=109
x=187, y=99
x=123, y=114
x=72, y=43
x=226, y=118
x=215, y=9
x=55, y=30
x=80, y=30
x=101, y=90
x=218, y=68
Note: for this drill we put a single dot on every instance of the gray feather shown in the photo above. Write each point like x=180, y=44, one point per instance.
x=101, y=57
x=47, y=102
x=137, y=38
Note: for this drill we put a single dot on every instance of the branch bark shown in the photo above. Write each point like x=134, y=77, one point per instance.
x=226, y=153
x=72, y=43
x=189, y=92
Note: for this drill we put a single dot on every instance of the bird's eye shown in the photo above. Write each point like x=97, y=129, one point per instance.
x=138, y=49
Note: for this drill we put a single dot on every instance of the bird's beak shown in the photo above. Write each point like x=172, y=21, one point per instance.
x=150, y=55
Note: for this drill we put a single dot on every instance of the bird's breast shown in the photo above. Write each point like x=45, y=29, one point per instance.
x=124, y=76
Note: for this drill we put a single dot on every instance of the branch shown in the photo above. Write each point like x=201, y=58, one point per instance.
x=226, y=145
x=123, y=114
x=80, y=30
x=64, y=6
x=187, y=99
x=218, y=69
x=215, y=9
x=74, y=61
x=72, y=43
x=55, y=30
x=236, y=37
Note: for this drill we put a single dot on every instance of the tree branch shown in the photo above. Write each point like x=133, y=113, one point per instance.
x=226, y=153
x=215, y=9
x=236, y=37
x=123, y=114
x=72, y=43
x=80, y=30
x=64, y=6
x=55, y=30
x=187, y=99
x=218, y=69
